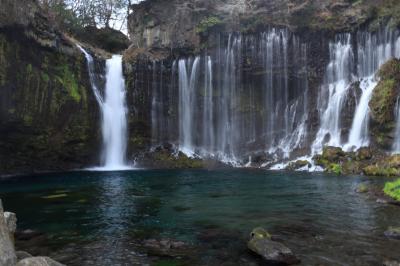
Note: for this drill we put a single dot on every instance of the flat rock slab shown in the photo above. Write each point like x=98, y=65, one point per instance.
x=39, y=261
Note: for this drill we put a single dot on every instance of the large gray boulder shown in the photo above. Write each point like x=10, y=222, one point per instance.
x=39, y=261
x=11, y=222
x=271, y=251
x=7, y=251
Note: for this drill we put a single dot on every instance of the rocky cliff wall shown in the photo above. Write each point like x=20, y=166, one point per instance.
x=164, y=32
x=181, y=23
x=48, y=115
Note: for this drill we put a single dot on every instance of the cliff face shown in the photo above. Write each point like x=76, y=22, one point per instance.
x=264, y=55
x=48, y=115
x=179, y=23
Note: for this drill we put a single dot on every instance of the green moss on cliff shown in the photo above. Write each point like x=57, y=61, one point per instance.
x=208, y=24
x=49, y=121
x=69, y=81
x=383, y=102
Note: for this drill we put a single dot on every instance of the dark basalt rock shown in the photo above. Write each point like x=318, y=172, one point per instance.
x=108, y=39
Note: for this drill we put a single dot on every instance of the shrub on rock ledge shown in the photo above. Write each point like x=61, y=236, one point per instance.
x=392, y=189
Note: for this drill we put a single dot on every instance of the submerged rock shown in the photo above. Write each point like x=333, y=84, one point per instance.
x=362, y=188
x=271, y=251
x=7, y=251
x=166, y=247
x=393, y=232
x=39, y=261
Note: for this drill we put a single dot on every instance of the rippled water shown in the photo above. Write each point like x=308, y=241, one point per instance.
x=99, y=218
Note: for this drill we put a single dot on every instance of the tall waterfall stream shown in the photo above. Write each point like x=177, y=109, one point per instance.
x=114, y=113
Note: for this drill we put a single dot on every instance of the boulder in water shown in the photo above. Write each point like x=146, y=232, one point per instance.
x=271, y=251
x=39, y=261
x=393, y=232
x=11, y=221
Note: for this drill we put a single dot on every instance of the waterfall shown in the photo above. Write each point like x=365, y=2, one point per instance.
x=114, y=112
x=90, y=65
x=333, y=92
x=373, y=51
x=249, y=97
x=114, y=125
x=208, y=131
x=187, y=85
x=396, y=143
x=227, y=112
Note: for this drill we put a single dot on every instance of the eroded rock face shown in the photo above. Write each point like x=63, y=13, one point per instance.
x=48, y=114
x=179, y=23
x=7, y=252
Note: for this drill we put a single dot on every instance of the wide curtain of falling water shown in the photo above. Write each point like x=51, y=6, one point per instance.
x=247, y=95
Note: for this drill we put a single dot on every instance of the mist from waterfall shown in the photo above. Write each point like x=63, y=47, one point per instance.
x=114, y=113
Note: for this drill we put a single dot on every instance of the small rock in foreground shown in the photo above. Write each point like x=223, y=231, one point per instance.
x=393, y=232
x=39, y=261
x=271, y=251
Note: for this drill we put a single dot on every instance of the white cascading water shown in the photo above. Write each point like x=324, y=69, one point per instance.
x=373, y=51
x=396, y=143
x=187, y=85
x=114, y=126
x=219, y=118
x=114, y=112
x=249, y=96
x=337, y=80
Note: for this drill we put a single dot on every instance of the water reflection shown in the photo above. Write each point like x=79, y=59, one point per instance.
x=107, y=215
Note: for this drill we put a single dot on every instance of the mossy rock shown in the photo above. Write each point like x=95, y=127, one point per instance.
x=332, y=154
x=365, y=153
x=259, y=233
x=392, y=189
x=390, y=70
x=298, y=165
x=380, y=170
x=334, y=168
x=384, y=96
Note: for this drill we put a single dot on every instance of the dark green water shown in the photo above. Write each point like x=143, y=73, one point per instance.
x=99, y=218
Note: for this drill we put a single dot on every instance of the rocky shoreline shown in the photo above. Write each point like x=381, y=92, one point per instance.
x=11, y=257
